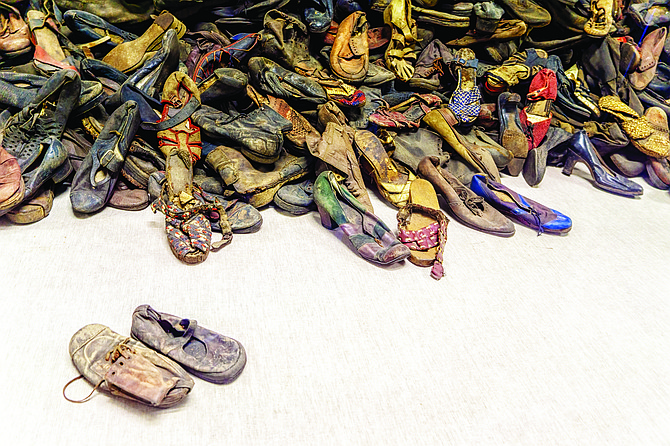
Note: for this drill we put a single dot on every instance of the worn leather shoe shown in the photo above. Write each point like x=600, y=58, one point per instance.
x=202, y=352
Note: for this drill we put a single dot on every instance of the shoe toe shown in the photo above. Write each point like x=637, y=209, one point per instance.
x=560, y=224
x=85, y=202
x=84, y=336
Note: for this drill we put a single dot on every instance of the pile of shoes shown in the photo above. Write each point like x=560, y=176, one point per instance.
x=150, y=367
x=209, y=111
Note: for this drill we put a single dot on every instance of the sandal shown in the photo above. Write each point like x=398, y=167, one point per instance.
x=466, y=100
x=400, y=56
x=415, y=108
x=393, y=181
x=642, y=135
x=422, y=227
x=601, y=20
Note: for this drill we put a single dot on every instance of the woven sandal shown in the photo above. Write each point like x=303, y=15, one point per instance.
x=422, y=227
x=466, y=100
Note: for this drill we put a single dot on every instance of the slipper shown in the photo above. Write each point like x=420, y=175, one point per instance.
x=422, y=227
x=202, y=352
x=93, y=184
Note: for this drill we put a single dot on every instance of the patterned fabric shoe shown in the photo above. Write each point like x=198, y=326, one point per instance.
x=189, y=232
x=466, y=100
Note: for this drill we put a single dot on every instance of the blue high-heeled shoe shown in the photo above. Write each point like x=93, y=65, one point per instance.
x=581, y=149
x=519, y=208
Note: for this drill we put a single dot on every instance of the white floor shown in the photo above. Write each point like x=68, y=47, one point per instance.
x=529, y=340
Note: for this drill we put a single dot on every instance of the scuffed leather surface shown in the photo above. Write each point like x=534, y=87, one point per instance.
x=91, y=343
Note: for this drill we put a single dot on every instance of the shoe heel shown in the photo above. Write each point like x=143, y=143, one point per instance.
x=326, y=220
x=570, y=164
x=63, y=172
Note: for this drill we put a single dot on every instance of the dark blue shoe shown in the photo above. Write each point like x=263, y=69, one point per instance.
x=519, y=208
x=95, y=28
x=318, y=15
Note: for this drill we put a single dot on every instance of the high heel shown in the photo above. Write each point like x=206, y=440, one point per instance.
x=570, y=162
x=581, y=149
x=371, y=238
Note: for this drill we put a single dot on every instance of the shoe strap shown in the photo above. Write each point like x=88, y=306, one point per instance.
x=425, y=238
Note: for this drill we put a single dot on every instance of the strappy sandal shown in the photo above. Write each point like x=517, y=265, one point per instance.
x=400, y=56
x=466, y=100
x=393, y=181
x=422, y=227
x=415, y=108
x=638, y=129
x=601, y=20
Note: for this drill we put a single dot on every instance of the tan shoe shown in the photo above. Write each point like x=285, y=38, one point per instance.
x=14, y=32
x=129, y=56
x=349, y=57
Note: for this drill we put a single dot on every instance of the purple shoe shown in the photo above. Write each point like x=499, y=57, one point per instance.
x=372, y=239
x=202, y=352
x=521, y=209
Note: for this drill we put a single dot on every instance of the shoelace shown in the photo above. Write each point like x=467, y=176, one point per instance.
x=120, y=350
x=475, y=204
